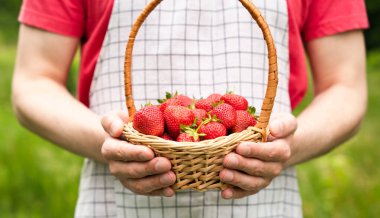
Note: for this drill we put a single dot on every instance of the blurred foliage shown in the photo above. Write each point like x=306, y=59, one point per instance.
x=9, y=10
x=373, y=34
x=37, y=179
x=345, y=182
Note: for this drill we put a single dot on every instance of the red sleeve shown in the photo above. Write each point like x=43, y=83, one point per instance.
x=59, y=16
x=330, y=17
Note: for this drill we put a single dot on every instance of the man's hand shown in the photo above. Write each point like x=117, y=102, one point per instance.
x=134, y=165
x=255, y=165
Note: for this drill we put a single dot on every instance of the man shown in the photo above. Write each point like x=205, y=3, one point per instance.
x=117, y=176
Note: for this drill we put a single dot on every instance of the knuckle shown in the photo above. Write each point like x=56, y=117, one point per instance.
x=259, y=170
x=149, y=168
x=273, y=154
x=252, y=186
x=141, y=153
x=106, y=121
x=113, y=169
x=139, y=188
x=132, y=172
x=119, y=153
x=287, y=152
x=292, y=121
x=281, y=125
x=277, y=170
x=265, y=184
x=126, y=184
x=107, y=149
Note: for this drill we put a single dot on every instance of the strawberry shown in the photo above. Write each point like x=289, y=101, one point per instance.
x=166, y=137
x=226, y=114
x=189, y=134
x=199, y=114
x=244, y=119
x=175, y=116
x=236, y=101
x=212, y=130
x=175, y=99
x=205, y=104
x=168, y=102
x=214, y=97
x=149, y=120
x=184, y=137
x=185, y=100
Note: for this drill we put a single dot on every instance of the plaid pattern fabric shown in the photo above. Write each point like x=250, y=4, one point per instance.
x=197, y=48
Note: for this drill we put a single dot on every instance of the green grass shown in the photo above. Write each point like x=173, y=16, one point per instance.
x=37, y=179
x=346, y=182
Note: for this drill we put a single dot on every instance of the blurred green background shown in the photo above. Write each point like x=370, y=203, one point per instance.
x=37, y=179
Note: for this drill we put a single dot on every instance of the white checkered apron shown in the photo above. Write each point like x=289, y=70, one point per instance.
x=195, y=47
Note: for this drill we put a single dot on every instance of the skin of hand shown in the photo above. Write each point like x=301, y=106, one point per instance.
x=333, y=116
x=135, y=165
x=254, y=165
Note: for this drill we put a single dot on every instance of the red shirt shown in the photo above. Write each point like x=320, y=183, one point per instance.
x=88, y=20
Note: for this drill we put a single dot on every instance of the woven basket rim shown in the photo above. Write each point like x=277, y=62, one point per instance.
x=193, y=146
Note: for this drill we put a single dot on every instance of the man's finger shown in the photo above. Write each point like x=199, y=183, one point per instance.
x=114, y=149
x=113, y=123
x=150, y=184
x=282, y=126
x=167, y=192
x=276, y=151
x=136, y=170
x=236, y=193
x=242, y=180
x=252, y=166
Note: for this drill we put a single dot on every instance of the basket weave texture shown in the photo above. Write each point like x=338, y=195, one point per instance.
x=197, y=164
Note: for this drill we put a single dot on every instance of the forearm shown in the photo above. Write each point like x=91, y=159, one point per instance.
x=47, y=108
x=333, y=117
x=340, y=102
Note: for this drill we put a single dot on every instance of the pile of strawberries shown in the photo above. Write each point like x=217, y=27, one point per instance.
x=183, y=119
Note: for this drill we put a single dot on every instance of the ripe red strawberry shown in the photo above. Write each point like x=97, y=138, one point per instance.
x=175, y=116
x=244, y=119
x=166, y=137
x=170, y=101
x=212, y=130
x=236, y=101
x=205, y=104
x=199, y=114
x=185, y=100
x=226, y=114
x=189, y=134
x=214, y=97
x=185, y=137
x=149, y=120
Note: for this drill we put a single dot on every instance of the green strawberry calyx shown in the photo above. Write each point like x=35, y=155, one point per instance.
x=189, y=130
x=168, y=95
x=251, y=110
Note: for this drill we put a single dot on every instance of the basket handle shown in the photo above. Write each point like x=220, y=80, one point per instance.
x=270, y=94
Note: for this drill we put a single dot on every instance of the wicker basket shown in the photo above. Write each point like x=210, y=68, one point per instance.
x=197, y=164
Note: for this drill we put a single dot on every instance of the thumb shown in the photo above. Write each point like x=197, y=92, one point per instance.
x=113, y=123
x=282, y=126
